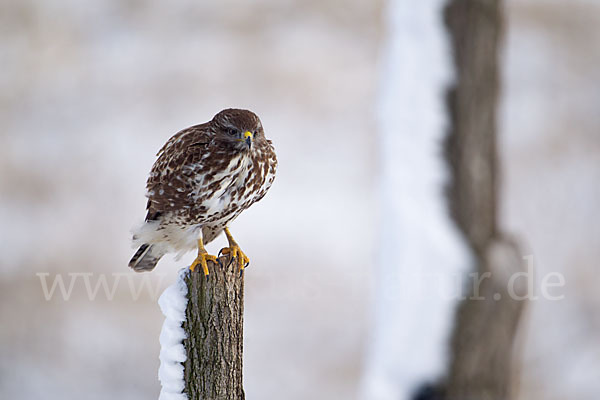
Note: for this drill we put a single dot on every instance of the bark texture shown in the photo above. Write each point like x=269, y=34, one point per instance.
x=486, y=323
x=214, y=328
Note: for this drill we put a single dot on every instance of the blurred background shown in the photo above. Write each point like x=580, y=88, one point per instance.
x=91, y=90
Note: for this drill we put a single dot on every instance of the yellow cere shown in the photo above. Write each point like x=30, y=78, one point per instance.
x=247, y=134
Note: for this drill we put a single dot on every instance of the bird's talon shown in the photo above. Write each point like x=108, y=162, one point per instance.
x=202, y=261
x=234, y=251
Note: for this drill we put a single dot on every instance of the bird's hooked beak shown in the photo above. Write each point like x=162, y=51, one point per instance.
x=248, y=137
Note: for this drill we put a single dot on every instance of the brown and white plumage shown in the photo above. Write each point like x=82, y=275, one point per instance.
x=204, y=177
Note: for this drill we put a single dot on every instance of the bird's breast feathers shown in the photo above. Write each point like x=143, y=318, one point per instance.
x=216, y=193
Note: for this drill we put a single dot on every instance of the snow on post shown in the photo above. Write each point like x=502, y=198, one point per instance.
x=173, y=303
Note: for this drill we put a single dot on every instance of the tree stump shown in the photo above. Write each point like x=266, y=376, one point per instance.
x=214, y=333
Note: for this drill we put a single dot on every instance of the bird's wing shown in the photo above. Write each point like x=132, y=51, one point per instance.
x=171, y=177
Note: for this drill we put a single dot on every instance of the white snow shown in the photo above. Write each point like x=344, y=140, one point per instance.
x=173, y=303
x=422, y=259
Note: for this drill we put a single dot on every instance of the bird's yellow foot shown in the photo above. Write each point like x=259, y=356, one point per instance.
x=202, y=261
x=236, y=253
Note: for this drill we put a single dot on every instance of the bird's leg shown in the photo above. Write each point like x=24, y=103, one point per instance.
x=203, y=256
x=234, y=251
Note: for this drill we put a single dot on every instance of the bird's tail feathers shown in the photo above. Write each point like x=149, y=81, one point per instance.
x=145, y=258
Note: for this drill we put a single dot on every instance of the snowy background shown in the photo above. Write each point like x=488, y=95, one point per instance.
x=91, y=90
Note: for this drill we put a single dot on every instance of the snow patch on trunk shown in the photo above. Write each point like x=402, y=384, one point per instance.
x=173, y=303
x=422, y=257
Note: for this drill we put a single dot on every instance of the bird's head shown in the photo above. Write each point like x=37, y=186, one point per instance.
x=237, y=129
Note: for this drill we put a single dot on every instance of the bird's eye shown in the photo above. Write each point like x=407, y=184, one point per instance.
x=232, y=131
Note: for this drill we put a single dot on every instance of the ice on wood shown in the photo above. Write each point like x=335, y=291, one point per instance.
x=173, y=303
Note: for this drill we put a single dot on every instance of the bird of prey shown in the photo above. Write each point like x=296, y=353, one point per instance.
x=204, y=177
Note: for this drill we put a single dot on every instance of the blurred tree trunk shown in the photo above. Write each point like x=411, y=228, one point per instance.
x=214, y=330
x=486, y=323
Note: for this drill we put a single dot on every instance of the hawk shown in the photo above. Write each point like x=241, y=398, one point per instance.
x=204, y=177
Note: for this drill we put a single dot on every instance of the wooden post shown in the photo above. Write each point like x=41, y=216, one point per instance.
x=486, y=323
x=214, y=333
